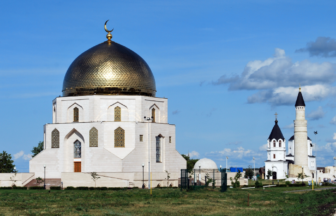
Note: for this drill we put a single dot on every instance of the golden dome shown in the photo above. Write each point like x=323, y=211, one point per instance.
x=111, y=69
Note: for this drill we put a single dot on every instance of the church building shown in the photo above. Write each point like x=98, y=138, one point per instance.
x=109, y=121
x=300, y=149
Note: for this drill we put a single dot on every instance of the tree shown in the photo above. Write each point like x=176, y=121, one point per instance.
x=94, y=177
x=190, y=162
x=249, y=172
x=37, y=149
x=168, y=177
x=302, y=176
x=6, y=163
x=236, y=182
x=269, y=173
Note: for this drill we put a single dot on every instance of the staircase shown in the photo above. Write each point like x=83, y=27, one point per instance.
x=49, y=183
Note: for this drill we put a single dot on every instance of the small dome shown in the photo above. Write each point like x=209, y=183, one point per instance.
x=109, y=69
x=205, y=163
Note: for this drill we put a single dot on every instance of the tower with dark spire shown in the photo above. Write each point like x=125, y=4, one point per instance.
x=276, y=153
x=300, y=134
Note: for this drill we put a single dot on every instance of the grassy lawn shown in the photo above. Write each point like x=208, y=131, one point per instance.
x=168, y=201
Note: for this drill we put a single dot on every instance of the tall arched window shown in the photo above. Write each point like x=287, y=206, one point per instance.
x=55, y=138
x=76, y=114
x=273, y=143
x=153, y=115
x=274, y=156
x=158, y=149
x=77, y=149
x=93, y=137
x=117, y=114
x=119, y=137
x=279, y=143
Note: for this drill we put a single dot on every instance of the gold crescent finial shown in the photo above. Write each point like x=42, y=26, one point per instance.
x=300, y=87
x=109, y=35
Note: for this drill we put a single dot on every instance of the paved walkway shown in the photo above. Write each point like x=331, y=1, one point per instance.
x=328, y=188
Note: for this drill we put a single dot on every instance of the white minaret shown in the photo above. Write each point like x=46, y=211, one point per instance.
x=300, y=134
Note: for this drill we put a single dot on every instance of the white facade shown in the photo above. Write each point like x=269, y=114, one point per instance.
x=311, y=160
x=276, y=158
x=145, y=142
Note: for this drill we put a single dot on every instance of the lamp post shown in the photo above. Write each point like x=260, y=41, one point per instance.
x=254, y=167
x=44, y=176
x=143, y=178
x=272, y=176
x=1, y=167
x=302, y=175
x=199, y=176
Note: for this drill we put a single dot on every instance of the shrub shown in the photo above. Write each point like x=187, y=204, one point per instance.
x=55, y=188
x=36, y=188
x=91, y=188
x=20, y=188
x=258, y=184
x=102, y=188
x=287, y=183
x=327, y=184
x=4, y=188
x=70, y=188
x=82, y=188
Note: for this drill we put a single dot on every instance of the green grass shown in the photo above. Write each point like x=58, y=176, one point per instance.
x=168, y=201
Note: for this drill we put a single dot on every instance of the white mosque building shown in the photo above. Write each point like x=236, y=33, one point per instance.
x=110, y=122
x=300, y=148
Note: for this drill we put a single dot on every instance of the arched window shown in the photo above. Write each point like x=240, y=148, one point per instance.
x=153, y=115
x=274, y=156
x=93, y=137
x=274, y=143
x=279, y=143
x=75, y=114
x=77, y=149
x=119, y=137
x=55, y=139
x=117, y=114
x=158, y=149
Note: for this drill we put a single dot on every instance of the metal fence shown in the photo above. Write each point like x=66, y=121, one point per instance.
x=200, y=178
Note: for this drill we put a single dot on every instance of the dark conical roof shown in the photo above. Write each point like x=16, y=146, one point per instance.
x=276, y=132
x=299, y=100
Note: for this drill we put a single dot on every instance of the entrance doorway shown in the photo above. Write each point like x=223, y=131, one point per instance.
x=77, y=166
x=274, y=175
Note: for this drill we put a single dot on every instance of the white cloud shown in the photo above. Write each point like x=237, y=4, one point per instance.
x=322, y=46
x=18, y=155
x=239, y=152
x=193, y=154
x=263, y=147
x=316, y=114
x=21, y=154
x=27, y=157
x=333, y=120
x=290, y=126
x=277, y=79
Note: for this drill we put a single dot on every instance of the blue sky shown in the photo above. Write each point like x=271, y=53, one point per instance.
x=225, y=66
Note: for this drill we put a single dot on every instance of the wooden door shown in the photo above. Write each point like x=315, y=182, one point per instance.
x=78, y=167
x=274, y=175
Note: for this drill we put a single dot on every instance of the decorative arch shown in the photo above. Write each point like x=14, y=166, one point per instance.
x=75, y=114
x=93, y=137
x=117, y=113
x=55, y=138
x=154, y=113
x=119, y=137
